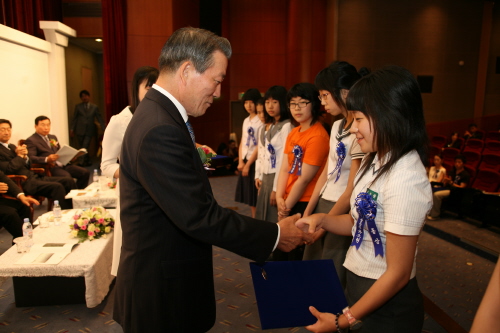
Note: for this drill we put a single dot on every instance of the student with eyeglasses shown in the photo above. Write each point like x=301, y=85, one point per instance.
x=334, y=187
x=305, y=155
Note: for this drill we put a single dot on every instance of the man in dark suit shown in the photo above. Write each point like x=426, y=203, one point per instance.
x=169, y=216
x=83, y=123
x=43, y=147
x=14, y=161
x=13, y=212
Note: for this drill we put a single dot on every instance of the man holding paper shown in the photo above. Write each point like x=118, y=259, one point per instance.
x=43, y=148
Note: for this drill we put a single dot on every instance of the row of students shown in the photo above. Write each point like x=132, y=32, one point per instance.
x=388, y=197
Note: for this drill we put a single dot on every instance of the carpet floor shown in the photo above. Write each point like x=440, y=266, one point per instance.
x=451, y=276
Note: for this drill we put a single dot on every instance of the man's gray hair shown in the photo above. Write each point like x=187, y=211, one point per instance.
x=192, y=44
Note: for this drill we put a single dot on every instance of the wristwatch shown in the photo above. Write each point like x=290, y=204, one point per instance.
x=354, y=323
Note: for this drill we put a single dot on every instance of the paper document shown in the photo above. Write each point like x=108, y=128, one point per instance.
x=46, y=254
x=67, y=153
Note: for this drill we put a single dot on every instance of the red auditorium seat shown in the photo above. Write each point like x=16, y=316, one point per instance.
x=433, y=151
x=472, y=174
x=490, y=162
x=487, y=180
x=473, y=158
x=461, y=146
x=438, y=141
x=449, y=155
x=492, y=147
x=474, y=145
x=492, y=136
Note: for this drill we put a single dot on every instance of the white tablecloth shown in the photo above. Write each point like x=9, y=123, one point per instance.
x=90, y=259
x=94, y=195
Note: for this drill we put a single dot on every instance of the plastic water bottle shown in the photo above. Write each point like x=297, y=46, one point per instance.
x=96, y=176
x=27, y=230
x=27, y=235
x=56, y=211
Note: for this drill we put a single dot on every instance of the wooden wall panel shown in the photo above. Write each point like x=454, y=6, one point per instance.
x=427, y=37
x=187, y=13
x=149, y=24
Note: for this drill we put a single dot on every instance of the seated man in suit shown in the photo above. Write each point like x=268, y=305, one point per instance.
x=43, y=147
x=13, y=212
x=14, y=161
x=83, y=123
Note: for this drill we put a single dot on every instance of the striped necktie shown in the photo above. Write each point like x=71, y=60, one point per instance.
x=191, y=132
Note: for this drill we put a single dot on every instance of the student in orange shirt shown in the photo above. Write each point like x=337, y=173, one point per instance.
x=304, y=158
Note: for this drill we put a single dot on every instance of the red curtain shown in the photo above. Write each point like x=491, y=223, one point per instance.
x=24, y=15
x=114, y=26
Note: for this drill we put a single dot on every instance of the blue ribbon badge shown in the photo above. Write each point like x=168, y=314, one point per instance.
x=297, y=161
x=271, y=150
x=341, y=151
x=251, y=136
x=367, y=211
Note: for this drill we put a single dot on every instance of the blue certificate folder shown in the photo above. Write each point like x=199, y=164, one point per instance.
x=290, y=287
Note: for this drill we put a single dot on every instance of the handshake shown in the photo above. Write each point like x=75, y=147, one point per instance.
x=293, y=233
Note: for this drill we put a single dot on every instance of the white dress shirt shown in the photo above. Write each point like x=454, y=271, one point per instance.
x=404, y=198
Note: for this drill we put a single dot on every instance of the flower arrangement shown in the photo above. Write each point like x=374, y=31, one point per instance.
x=205, y=155
x=112, y=184
x=53, y=142
x=91, y=224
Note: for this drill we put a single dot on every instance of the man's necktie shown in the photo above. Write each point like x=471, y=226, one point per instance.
x=191, y=132
x=47, y=140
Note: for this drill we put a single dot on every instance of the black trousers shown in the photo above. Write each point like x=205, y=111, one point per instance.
x=51, y=187
x=82, y=175
x=12, y=214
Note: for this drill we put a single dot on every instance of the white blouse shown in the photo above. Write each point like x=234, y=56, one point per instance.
x=112, y=141
x=404, y=197
x=255, y=124
x=260, y=153
x=332, y=190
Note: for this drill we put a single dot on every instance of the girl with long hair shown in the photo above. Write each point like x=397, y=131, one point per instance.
x=390, y=200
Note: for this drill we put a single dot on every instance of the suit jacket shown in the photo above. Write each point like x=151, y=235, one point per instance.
x=13, y=190
x=170, y=220
x=83, y=120
x=11, y=164
x=38, y=149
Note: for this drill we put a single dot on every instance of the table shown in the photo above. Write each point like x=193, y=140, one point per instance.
x=96, y=194
x=86, y=270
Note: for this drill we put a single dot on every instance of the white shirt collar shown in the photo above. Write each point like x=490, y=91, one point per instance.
x=377, y=163
x=179, y=106
x=6, y=145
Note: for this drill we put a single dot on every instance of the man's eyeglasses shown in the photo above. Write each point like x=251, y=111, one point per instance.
x=323, y=97
x=300, y=105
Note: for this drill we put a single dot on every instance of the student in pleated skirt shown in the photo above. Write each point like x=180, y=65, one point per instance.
x=389, y=203
x=246, y=192
x=334, y=187
x=273, y=141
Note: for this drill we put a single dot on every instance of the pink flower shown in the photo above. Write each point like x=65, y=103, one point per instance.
x=101, y=220
x=83, y=227
x=91, y=234
x=76, y=217
x=205, y=149
x=85, y=222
